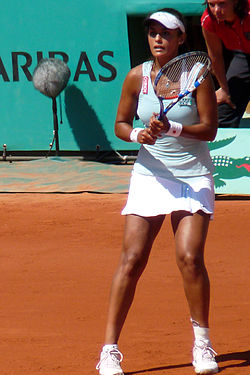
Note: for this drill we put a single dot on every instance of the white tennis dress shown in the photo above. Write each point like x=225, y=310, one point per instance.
x=175, y=173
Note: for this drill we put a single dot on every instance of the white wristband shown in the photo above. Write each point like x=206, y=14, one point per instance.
x=134, y=134
x=175, y=129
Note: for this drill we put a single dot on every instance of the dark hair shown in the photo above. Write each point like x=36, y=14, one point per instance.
x=240, y=8
x=175, y=12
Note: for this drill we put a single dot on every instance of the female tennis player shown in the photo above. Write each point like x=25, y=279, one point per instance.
x=172, y=175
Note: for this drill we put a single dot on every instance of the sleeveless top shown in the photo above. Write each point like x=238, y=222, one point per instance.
x=170, y=157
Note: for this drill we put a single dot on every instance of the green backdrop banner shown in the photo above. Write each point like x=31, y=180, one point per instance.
x=231, y=157
x=99, y=40
x=93, y=38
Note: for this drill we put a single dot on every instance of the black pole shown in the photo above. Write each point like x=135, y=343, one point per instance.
x=54, y=107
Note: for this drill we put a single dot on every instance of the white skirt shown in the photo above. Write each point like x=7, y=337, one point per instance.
x=152, y=196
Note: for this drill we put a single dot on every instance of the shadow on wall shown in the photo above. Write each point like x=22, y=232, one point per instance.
x=85, y=125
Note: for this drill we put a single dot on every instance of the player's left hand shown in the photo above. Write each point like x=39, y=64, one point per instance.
x=158, y=126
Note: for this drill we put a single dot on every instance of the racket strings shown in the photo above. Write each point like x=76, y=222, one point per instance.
x=167, y=89
x=181, y=76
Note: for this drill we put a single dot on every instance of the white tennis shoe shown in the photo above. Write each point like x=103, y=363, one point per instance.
x=204, y=358
x=109, y=363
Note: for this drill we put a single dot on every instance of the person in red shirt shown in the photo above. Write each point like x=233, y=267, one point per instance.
x=226, y=23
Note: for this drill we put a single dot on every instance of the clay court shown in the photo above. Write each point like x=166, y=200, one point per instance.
x=58, y=254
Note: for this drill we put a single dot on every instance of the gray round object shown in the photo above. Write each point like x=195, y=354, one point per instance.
x=51, y=76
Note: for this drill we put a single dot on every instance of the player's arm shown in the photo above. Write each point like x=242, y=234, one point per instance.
x=128, y=106
x=206, y=129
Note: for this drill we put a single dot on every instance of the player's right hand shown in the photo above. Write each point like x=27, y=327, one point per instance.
x=146, y=136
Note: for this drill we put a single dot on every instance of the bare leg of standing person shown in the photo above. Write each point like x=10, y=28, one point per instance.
x=139, y=236
x=190, y=236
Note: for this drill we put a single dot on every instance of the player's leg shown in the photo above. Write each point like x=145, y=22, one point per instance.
x=139, y=236
x=190, y=236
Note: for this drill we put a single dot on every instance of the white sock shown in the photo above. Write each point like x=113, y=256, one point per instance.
x=200, y=333
x=109, y=347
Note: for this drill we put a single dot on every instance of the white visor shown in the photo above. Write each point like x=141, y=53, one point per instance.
x=168, y=20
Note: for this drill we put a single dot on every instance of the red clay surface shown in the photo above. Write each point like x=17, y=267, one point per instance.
x=58, y=255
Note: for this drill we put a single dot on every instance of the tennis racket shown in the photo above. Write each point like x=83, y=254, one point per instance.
x=180, y=77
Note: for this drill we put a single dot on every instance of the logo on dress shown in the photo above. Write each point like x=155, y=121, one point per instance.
x=186, y=102
x=145, y=85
